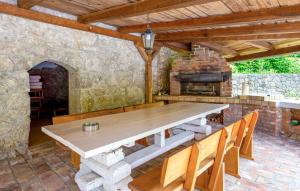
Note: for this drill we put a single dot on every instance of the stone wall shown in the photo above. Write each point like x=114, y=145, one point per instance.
x=104, y=72
x=161, y=70
x=286, y=84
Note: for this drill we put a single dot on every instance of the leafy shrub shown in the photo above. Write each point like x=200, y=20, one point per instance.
x=283, y=64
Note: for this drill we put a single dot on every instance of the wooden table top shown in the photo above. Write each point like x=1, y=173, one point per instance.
x=124, y=128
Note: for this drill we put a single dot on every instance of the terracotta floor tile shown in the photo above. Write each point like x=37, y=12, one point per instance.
x=276, y=168
x=23, y=172
x=51, y=181
x=7, y=181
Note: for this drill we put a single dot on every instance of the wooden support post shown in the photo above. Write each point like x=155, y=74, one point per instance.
x=148, y=71
x=149, y=79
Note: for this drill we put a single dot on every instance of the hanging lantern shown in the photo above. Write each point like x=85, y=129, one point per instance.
x=148, y=39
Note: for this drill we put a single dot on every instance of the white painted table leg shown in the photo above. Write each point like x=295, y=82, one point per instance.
x=87, y=180
x=200, y=121
x=160, y=139
x=111, y=168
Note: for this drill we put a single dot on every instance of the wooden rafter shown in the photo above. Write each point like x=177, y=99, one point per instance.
x=176, y=46
x=274, y=52
x=260, y=44
x=139, y=8
x=219, y=48
x=243, y=38
x=222, y=20
x=50, y=19
x=27, y=4
x=234, y=31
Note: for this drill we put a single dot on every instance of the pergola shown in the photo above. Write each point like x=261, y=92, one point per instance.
x=238, y=29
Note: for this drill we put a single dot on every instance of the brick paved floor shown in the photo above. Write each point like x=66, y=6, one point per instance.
x=276, y=167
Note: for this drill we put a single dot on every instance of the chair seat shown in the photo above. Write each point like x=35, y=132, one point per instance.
x=151, y=182
x=204, y=165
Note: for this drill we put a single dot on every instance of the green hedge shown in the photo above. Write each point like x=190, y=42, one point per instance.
x=283, y=64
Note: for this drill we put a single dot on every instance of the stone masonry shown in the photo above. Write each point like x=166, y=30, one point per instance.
x=285, y=84
x=104, y=72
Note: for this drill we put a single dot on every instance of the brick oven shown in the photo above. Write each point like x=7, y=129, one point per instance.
x=205, y=73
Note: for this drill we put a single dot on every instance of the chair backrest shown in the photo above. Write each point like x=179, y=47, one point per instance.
x=79, y=116
x=143, y=106
x=209, y=150
x=175, y=166
x=241, y=124
x=236, y=131
x=251, y=120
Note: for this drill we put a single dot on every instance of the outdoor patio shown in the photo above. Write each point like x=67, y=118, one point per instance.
x=96, y=94
x=276, y=167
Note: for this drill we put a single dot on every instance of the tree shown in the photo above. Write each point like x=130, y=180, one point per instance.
x=283, y=64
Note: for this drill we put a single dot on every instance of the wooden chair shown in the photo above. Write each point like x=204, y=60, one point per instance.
x=75, y=158
x=145, y=141
x=181, y=171
x=236, y=131
x=210, y=164
x=247, y=143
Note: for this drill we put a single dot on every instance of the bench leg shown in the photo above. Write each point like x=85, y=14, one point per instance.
x=247, y=152
x=75, y=160
x=232, y=162
x=220, y=179
x=203, y=180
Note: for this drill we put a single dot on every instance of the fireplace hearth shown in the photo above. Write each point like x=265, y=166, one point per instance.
x=201, y=76
x=202, y=83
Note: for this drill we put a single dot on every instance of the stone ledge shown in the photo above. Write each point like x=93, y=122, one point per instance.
x=225, y=100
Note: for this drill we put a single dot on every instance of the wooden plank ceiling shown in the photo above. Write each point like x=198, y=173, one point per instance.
x=239, y=29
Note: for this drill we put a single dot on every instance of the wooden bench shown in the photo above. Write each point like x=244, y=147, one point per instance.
x=233, y=147
x=75, y=158
x=199, y=165
x=246, y=150
x=210, y=166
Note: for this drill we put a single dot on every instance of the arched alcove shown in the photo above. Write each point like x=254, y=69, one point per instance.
x=50, y=93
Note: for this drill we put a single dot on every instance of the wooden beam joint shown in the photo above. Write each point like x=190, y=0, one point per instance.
x=27, y=4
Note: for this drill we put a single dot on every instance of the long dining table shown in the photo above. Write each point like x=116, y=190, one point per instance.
x=103, y=162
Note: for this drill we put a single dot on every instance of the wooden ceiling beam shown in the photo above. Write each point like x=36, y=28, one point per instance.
x=221, y=20
x=233, y=31
x=50, y=19
x=270, y=53
x=139, y=8
x=219, y=48
x=261, y=44
x=242, y=38
x=27, y=4
x=176, y=46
